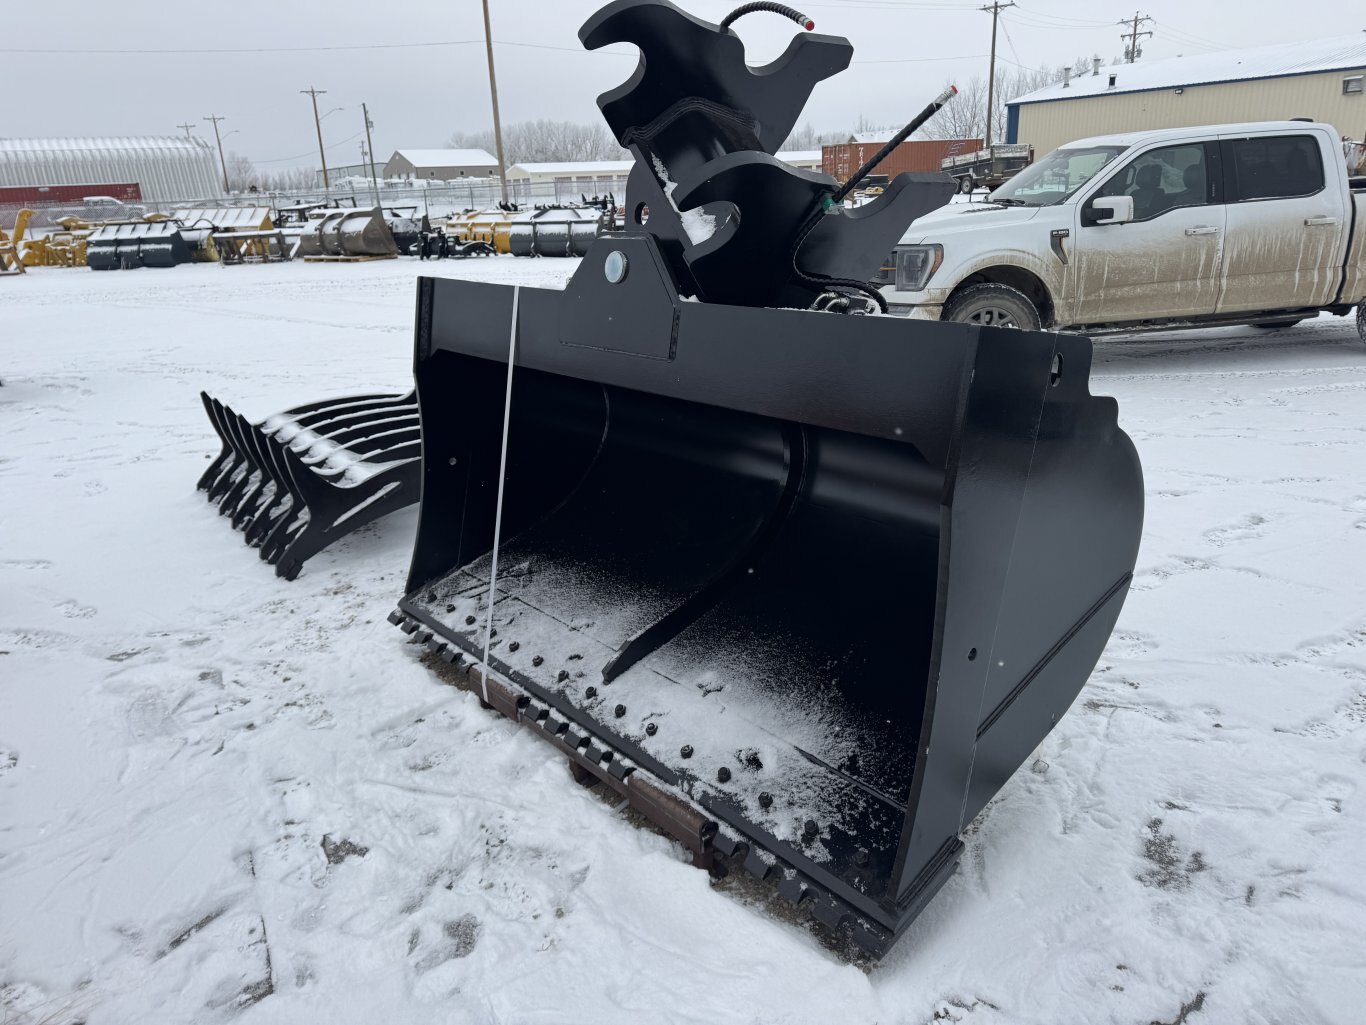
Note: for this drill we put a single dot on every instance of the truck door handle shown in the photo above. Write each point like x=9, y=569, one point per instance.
x=1203, y=229
x=1317, y=222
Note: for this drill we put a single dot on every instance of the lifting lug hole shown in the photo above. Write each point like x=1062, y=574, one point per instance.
x=972, y=654
x=1055, y=372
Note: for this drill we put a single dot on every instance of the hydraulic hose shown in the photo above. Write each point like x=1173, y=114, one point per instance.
x=832, y=201
x=787, y=12
x=891, y=144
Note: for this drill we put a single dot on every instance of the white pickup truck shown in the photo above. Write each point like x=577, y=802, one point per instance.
x=1220, y=224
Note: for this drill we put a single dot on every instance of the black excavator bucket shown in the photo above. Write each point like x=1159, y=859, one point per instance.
x=804, y=586
x=829, y=579
x=301, y=479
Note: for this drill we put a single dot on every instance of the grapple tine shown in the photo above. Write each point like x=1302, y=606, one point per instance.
x=359, y=439
x=349, y=508
x=241, y=430
x=364, y=420
x=222, y=417
x=276, y=539
x=260, y=495
x=224, y=457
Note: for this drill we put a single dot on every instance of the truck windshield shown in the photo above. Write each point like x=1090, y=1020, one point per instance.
x=1052, y=179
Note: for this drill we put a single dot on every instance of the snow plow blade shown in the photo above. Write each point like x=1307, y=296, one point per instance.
x=828, y=580
x=301, y=479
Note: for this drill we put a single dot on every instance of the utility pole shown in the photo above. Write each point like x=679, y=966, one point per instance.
x=374, y=184
x=493, y=91
x=187, y=126
x=317, y=123
x=364, y=155
x=219, y=139
x=1132, y=51
x=995, y=10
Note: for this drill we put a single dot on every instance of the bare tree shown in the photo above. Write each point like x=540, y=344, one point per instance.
x=242, y=173
x=806, y=137
x=288, y=179
x=965, y=117
x=545, y=140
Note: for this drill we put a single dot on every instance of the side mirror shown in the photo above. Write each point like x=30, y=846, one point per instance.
x=1112, y=210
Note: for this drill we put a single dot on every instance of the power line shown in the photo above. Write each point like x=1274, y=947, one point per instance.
x=922, y=60
x=1065, y=19
x=309, y=153
x=1010, y=42
x=304, y=49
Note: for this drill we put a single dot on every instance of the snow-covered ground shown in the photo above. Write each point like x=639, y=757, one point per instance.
x=223, y=795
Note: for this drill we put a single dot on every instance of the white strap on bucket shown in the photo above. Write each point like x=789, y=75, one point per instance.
x=502, y=473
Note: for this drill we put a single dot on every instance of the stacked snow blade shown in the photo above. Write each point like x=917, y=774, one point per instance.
x=803, y=586
x=301, y=479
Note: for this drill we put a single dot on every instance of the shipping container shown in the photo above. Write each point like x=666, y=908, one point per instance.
x=42, y=195
x=843, y=159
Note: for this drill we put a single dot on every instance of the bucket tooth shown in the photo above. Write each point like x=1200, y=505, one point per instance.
x=792, y=889
x=756, y=865
x=830, y=914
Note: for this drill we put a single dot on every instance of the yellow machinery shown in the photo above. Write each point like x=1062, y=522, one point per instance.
x=489, y=226
x=62, y=248
x=10, y=260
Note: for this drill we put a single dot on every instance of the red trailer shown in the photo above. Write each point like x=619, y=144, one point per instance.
x=43, y=195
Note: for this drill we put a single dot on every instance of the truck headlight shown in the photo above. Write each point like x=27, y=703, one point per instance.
x=915, y=265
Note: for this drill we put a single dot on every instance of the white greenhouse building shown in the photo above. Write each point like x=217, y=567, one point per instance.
x=172, y=167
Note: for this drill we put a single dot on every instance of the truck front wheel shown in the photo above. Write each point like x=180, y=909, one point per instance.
x=1361, y=320
x=992, y=305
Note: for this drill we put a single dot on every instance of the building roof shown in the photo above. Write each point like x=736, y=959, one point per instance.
x=797, y=156
x=447, y=157
x=572, y=167
x=1336, y=53
x=870, y=138
x=122, y=143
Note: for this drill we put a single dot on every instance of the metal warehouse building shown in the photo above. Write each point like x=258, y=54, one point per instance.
x=440, y=164
x=1322, y=79
x=167, y=167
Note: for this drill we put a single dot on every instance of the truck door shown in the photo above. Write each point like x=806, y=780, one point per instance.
x=1286, y=227
x=1165, y=262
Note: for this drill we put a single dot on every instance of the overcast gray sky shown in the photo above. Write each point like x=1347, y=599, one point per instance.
x=904, y=51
